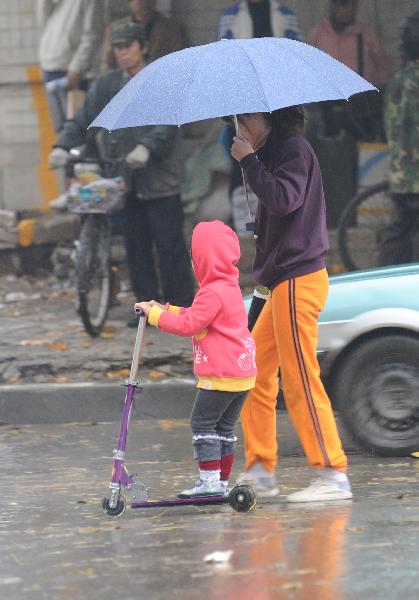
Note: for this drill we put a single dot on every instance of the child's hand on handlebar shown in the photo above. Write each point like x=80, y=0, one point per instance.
x=145, y=306
x=162, y=306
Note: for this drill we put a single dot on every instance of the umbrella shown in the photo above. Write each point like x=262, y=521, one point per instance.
x=229, y=77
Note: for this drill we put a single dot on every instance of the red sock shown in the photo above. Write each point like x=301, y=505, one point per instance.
x=209, y=465
x=226, y=463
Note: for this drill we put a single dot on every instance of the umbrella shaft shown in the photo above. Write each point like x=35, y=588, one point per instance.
x=236, y=124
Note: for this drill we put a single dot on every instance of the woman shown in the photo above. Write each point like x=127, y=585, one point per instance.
x=291, y=245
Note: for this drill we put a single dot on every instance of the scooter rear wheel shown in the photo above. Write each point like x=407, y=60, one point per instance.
x=118, y=510
x=242, y=498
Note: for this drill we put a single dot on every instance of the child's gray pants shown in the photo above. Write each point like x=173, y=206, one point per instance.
x=213, y=418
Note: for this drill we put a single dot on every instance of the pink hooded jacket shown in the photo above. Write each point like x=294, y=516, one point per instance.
x=223, y=348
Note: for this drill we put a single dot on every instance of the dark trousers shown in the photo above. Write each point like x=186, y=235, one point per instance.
x=213, y=419
x=154, y=229
x=398, y=239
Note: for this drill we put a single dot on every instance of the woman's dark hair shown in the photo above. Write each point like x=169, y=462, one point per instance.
x=287, y=121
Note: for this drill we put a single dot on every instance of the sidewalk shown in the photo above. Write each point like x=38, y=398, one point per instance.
x=43, y=340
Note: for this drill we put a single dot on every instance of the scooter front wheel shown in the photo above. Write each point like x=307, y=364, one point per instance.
x=118, y=510
x=242, y=498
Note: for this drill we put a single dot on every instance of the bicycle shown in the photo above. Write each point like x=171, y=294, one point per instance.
x=95, y=200
x=361, y=225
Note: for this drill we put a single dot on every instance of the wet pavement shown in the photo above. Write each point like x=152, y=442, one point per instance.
x=43, y=340
x=57, y=544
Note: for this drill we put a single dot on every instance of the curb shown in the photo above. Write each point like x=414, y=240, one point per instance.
x=33, y=404
x=57, y=403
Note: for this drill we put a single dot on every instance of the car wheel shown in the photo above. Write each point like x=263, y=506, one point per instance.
x=377, y=394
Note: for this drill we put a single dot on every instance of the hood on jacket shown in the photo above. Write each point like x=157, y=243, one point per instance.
x=215, y=252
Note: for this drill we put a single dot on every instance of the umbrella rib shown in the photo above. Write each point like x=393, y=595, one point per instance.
x=192, y=79
x=257, y=75
x=150, y=74
x=320, y=72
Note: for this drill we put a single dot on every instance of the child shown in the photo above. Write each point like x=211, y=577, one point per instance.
x=223, y=350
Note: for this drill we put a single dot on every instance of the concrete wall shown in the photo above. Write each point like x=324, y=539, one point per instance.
x=19, y=127
x=25, y=131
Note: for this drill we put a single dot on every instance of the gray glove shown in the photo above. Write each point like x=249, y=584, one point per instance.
x=58, y=158
x=138, y=158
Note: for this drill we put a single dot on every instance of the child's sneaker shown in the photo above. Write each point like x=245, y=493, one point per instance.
x=263, y=482
x=226, y=489
x=204, y=488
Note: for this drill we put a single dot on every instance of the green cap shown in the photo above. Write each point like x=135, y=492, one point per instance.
x=128, y=32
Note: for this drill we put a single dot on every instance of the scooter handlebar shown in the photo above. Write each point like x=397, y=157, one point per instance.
x=140, y=312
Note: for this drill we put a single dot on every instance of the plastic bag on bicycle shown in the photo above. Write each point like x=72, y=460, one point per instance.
x=100, y=195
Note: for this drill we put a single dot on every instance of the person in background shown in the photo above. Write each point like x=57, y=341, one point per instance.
x=71, y=31
x=357, y=46
x=351, y=42
x=223, y=348
x=283, y=171
x=251, y=19
x=152, y=170
x=258, y=18
x=401, y=115
x=165, y=35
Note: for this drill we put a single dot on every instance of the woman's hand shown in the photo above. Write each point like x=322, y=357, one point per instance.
x=241, y=148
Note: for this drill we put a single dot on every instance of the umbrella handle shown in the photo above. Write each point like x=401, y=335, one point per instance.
x=250, y=226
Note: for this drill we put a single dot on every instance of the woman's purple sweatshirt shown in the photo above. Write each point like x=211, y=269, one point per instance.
x=291, y=216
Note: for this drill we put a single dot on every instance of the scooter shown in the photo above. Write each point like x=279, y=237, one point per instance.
x=241, y=498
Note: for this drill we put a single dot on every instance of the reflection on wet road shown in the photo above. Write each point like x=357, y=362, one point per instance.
x=57, y=544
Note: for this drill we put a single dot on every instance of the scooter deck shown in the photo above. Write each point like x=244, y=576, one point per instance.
x=202, y=501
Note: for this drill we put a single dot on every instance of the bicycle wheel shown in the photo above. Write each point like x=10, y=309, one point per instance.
x=93, y=272
x=361, y=225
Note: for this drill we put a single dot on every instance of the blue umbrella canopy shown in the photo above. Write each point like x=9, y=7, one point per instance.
x=229, y=77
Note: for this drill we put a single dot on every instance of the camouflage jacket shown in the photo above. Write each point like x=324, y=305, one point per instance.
x=402, y=127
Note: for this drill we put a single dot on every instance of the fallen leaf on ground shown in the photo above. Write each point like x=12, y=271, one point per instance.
x=41, y=342
x=14, y=381
x=59, y=379
x=169, y=424
x=120, y=374
x=107, y=335
x=156, y=374
x=57, y=346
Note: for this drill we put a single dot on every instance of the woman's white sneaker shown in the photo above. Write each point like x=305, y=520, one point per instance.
x=321, y=490
x=263, y=482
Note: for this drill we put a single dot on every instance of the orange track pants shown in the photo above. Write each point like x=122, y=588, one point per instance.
x=286, y=338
